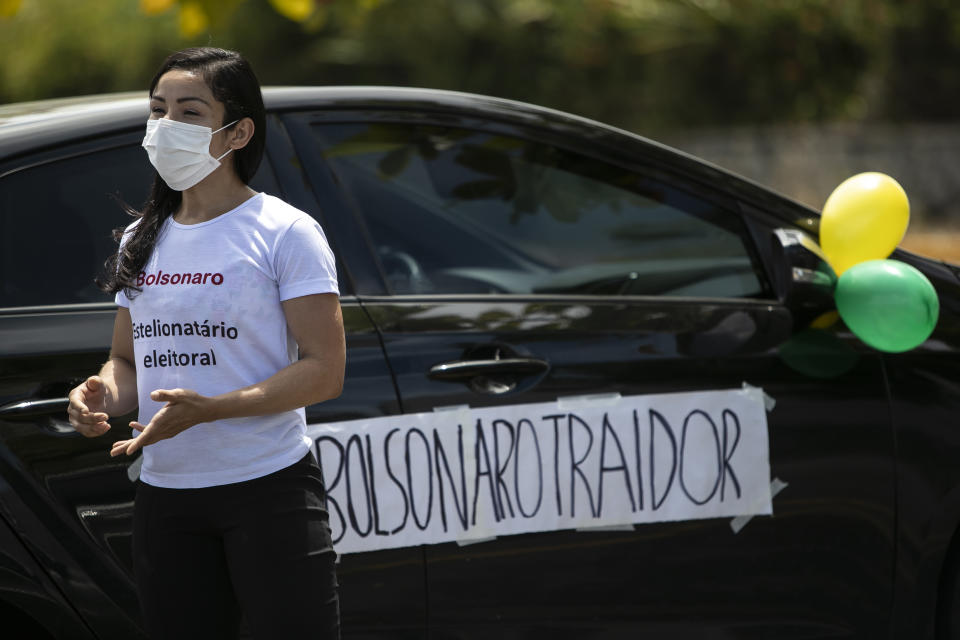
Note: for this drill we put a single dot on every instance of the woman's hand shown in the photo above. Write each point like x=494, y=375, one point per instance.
x=184, y=409
x=87, y=408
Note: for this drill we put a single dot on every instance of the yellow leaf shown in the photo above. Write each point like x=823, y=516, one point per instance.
x=155, y=7
x=193, y=19
x=296, y=10
x=9, y=8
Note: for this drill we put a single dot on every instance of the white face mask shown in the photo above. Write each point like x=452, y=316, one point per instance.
x=180, y=152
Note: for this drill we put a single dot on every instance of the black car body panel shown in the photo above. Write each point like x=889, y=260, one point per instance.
x=862, y=543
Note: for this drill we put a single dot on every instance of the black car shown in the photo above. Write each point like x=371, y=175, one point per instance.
x=501, y=257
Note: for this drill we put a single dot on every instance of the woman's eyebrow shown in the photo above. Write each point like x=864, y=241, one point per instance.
x=189, y=98
x=181, y=100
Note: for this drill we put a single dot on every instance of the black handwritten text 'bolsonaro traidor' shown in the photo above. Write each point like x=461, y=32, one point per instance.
x=501, y=470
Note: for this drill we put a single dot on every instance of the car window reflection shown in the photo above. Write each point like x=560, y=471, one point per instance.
x=467, y=211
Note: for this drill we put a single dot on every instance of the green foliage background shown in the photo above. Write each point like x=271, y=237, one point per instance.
x=645, y=65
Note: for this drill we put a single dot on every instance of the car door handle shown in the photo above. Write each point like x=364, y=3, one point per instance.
x=23, y=409
x=461, y=369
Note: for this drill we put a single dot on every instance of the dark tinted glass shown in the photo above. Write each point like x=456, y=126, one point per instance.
x=464, y=211
x=56, y=223
x=56, y=220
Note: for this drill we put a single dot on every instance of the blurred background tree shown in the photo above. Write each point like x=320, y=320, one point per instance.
x=644, y=65
x=662, y=68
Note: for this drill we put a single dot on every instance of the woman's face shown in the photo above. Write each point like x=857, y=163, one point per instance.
x=184, y=96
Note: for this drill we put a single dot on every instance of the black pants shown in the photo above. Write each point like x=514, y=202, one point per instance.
x=261, y=548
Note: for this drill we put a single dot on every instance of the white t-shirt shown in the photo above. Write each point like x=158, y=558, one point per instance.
x=209, y=319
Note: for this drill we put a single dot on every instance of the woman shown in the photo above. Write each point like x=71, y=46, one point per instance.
x=217, y=287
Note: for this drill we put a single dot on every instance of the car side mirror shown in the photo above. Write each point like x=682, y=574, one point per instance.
x=803, y=278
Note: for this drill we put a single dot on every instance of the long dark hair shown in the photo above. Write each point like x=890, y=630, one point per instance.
x=232, y=82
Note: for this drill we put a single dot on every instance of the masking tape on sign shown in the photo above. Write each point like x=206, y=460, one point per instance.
x=607, y=527
x=591, y=400
x=768, y=402
x=464, y=543
x=776, y=486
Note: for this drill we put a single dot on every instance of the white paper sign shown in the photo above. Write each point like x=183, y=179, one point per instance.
x=472, y=474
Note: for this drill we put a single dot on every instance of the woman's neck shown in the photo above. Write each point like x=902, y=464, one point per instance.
x=213, y=196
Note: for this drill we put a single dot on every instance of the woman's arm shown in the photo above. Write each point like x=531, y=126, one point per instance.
x=114, y=390
x=316, y=324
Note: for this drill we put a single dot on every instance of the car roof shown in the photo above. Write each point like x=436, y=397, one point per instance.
x=29, y=126
x=64, y=114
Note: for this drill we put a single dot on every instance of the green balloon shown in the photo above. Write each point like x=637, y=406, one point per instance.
x=888, y=304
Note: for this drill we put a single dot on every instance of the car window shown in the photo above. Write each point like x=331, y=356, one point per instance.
x=56, y=224
x=56, y=219
x=465, y=211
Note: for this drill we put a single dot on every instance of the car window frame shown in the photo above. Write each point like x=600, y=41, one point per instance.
x=354, y=245
x=652, y=165
x=295, y=188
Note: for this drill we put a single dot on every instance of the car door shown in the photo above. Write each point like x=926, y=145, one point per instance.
x=66, y=499
x=522, y=266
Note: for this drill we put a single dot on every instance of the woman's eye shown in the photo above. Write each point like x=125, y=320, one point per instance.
x=157, y=110
x=190, y=113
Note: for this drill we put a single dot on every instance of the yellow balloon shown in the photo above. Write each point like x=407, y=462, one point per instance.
x=863, y=219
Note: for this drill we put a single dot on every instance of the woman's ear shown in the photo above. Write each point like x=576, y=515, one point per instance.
x=241, y=133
